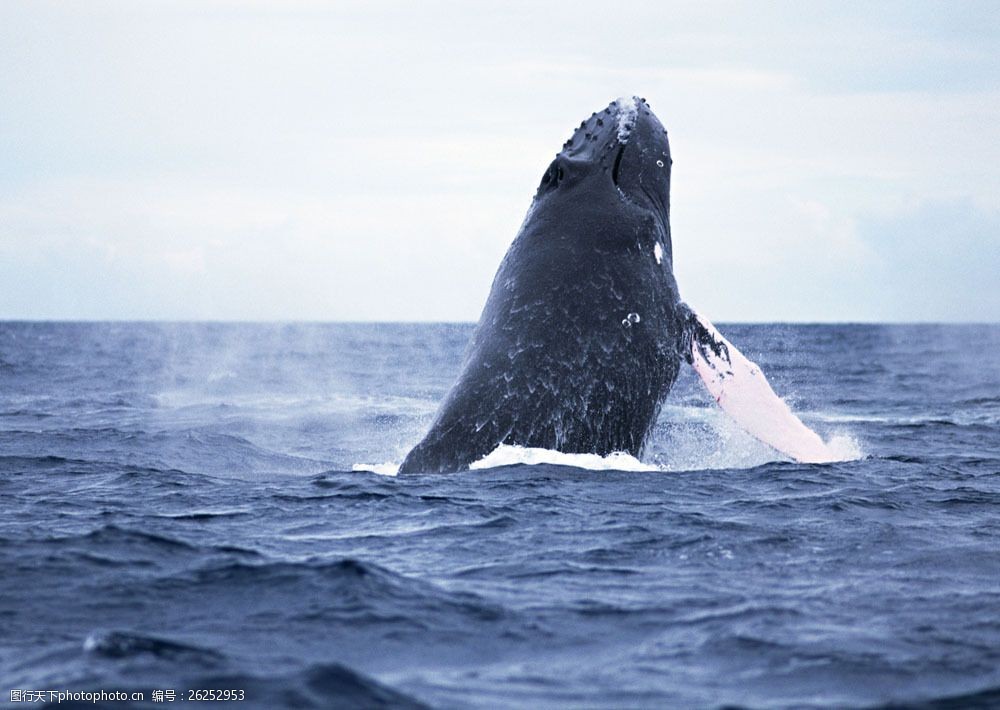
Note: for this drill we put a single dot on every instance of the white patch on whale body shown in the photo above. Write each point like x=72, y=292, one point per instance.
x=628, y=111
x=507, y=455
x=658, y=253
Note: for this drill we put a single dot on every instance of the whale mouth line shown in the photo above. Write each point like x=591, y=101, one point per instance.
x=618, y=163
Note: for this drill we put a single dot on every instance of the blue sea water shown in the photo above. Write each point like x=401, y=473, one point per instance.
x=180, y=509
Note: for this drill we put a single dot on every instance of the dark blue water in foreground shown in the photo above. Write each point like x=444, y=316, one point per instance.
x=178, y=511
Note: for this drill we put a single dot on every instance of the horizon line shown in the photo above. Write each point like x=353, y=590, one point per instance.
x=317, y=321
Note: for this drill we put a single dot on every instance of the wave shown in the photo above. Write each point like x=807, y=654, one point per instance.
x=123, y=644
x=115, y=546
x=699, y=454
x=347, y=591
x=387, y=468
x=38, y=462
x=986, y=699
x=321, y=685
x=973, y=417
x=329, y=685
x=113, y=536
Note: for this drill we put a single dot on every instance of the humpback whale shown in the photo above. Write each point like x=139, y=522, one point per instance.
x=584, y=331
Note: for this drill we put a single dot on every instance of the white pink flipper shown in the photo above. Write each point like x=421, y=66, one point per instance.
x=743, y=392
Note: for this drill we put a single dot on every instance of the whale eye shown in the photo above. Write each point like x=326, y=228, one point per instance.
x=552, y=177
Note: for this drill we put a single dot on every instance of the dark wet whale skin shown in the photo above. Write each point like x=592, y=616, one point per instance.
x=580, y=338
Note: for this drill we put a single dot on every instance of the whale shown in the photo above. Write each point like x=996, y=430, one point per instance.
x=584, y=331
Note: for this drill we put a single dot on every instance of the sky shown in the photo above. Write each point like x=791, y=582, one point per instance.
x=301, y=160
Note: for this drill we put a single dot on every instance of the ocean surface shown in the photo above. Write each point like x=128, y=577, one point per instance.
x=193, y=507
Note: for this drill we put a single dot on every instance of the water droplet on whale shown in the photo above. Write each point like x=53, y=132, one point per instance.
x=630, y=319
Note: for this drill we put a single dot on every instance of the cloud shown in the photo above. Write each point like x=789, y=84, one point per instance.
x=165, y=249
x=373, y=160
x=936, y=260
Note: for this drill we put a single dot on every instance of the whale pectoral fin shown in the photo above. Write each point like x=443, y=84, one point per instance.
x=741, y=389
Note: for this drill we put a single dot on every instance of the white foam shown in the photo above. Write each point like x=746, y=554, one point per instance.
x=692, y=447
x=628, y=110
x=844, y=448
x=383, y=469
x=505, y=455
x=658, y=253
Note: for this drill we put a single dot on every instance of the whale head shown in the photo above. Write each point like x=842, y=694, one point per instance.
x=616, y=163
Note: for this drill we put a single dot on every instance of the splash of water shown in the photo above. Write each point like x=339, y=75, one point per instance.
x=506, y=455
